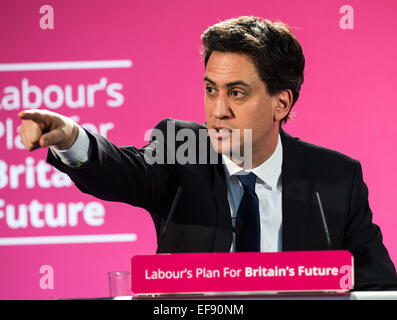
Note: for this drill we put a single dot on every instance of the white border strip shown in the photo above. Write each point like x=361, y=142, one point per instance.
x=94, y=238
x=65, y=65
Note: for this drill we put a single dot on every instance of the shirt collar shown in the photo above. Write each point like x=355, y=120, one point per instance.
x=269, y=171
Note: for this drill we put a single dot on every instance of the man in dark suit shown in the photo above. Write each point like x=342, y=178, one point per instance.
x=254, y=71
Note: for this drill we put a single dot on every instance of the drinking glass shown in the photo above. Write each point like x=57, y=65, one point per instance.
x=119, y=284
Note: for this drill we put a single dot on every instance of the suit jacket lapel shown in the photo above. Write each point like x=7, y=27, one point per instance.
x=223, y=233
x=223, y=230
x=296, y=195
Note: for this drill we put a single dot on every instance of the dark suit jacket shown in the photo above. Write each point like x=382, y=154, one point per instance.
x=202, y=220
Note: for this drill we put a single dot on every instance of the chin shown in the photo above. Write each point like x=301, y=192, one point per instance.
x=225, y=147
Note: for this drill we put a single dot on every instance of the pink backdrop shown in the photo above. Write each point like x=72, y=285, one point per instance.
x=347, y=103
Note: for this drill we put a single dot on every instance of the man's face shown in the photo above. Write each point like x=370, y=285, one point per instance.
x=236, y=98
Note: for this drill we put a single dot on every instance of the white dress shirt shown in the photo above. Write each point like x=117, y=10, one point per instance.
x=267, y=187
x=78, y=153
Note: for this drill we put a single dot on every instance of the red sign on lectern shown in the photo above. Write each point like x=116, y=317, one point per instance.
x=242, y=272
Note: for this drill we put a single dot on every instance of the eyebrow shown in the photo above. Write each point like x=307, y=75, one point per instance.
x=230, y=84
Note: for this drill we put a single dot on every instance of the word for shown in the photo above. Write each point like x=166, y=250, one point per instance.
x=8, y=131
x=54, y=96
x=31, y=175
x=47, y=280
x=47, y=20
x=40, y=215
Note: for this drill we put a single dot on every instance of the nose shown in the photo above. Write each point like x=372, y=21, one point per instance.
x=222, y=108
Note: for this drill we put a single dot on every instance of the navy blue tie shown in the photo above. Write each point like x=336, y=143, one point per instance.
x=247, y=220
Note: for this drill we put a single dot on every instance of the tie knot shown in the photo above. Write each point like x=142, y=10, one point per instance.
x=248, y=181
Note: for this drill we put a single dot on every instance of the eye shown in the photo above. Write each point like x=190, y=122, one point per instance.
x=209, y=89
x=237, y=94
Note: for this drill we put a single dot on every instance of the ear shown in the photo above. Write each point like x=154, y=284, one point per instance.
x=283, y=104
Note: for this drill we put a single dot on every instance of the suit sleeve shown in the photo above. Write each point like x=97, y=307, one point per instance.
x=121, y=174
x=373, y=268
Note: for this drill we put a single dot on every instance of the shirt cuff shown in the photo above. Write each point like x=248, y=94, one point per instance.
x=78, y=153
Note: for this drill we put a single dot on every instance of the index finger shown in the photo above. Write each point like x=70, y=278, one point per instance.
x=31, y=115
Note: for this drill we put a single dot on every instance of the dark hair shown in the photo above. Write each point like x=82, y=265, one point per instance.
x=275, y=51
